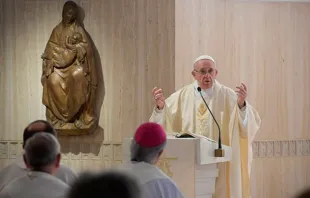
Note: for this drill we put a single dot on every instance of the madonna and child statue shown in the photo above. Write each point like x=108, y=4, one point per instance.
x=69, y=76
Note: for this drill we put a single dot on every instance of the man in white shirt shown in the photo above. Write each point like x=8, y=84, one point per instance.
x=18, y=168
x=146, y=148
x=42, y=157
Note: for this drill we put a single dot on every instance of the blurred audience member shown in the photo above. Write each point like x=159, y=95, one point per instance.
x=18, y=168
x=106, y=185
x=42, y=158
x=146, y=148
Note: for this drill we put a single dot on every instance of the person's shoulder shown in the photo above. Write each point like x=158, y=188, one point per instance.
x=66, y=169
x=59, y=183
x=188, y=86
x=164, y=181
x=163, y=185
x=159, y=177
x=10, y=173
x=4, y=193
x=14, y=183
x=7, y=169
x=52, y=181
x=66, y=174
x=184, y=89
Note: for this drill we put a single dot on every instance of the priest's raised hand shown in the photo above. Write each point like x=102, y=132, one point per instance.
x=158, y=97
x=241, y=92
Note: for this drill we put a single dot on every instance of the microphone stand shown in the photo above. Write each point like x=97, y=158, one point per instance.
x=219, y=152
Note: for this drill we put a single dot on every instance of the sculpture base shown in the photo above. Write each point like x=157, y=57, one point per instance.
x=70, y=129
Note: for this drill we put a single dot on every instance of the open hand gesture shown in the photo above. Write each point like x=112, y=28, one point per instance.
x=242, y=94
x=158, y=97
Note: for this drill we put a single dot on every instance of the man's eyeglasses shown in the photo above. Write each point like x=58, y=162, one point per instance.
x=204, y=72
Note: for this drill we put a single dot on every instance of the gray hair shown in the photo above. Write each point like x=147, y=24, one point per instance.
x=141, y=154
x=41, y=150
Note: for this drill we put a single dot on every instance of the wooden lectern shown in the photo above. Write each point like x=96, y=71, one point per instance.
x=190, y=162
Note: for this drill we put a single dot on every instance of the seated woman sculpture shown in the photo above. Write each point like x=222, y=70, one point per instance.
x=69, y=78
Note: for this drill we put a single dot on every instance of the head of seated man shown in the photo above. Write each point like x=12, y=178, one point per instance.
x=42, y=153
x=42, y=158
x=64, y=173
x=147, y=146
x=110, y=184
x=35, y=127
x=18, y=167
x=148, y=143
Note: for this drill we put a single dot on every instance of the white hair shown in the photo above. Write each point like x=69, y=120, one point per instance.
x=204, y=57
x=147, y=155
x=41, y=150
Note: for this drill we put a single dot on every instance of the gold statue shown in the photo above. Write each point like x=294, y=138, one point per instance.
x=69, y=77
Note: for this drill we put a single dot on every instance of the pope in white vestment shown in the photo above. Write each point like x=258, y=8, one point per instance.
x=185, y=111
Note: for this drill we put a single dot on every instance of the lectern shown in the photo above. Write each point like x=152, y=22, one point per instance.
x=190, y=162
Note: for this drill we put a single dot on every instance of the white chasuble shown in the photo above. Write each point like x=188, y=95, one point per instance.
x=202, y=126
x=184, y=112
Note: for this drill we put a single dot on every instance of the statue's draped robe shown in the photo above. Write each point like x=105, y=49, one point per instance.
x=68, y=79
x=183, y=112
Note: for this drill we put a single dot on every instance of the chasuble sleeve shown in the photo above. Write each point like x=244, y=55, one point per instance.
x=243, y=116
x=249, y=121
x=157, y=116
x=166, y=116
x=243, y=113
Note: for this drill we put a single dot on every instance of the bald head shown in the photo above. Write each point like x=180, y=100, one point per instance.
x=36, y=127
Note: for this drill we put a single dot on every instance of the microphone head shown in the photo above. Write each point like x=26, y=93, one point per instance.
x=199, y=89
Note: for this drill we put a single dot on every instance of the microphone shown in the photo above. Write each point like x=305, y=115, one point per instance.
x=218, y=152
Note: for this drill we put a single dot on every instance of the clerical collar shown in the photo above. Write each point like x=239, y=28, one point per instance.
x=206, y=93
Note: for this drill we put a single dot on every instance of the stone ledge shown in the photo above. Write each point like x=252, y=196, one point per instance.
x=113, y=149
